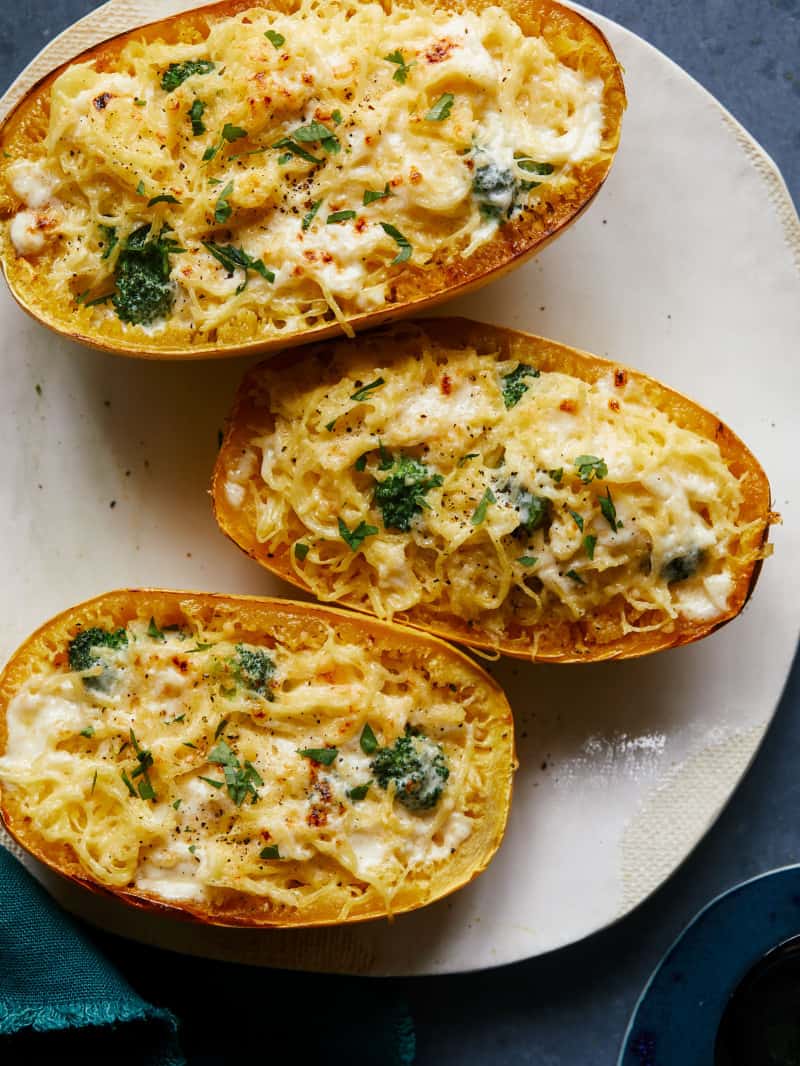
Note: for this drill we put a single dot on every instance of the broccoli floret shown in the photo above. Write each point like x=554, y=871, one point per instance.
x=514, y=386
x=144, y=291
x=417, y=767
x=402, y=493
x=81, y=655
x=495, y=190
x=255, y=669
x=177, y=73
x=682, y=567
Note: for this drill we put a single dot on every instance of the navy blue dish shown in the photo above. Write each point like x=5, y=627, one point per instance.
x=742, y=945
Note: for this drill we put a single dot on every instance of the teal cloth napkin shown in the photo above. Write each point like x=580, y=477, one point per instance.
x=61, y=997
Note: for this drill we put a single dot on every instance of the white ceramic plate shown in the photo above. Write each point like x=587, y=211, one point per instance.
x=688, y=267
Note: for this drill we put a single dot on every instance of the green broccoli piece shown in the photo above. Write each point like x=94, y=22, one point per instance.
x=514, y=386
x=144, y=291
x=81, y=656
x=682, y=567
x=495, y=190
x=402, y=492
x=177, y=73
x=417, y=767
x=254, y=668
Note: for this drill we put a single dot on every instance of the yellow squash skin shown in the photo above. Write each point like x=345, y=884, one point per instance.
x=411, y=287
x=302, y=626
x=590, y=638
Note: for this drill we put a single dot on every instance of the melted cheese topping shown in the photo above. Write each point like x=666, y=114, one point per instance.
x=72, y=761
x=520, y=123
x=561, y=500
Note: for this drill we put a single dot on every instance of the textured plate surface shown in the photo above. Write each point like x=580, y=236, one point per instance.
x=687, y=267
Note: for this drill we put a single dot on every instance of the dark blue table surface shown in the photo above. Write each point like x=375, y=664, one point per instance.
x=570, y=1008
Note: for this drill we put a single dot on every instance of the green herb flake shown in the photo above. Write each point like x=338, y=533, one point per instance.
x=138, y=102
x=179, y=718
x=277, y=40
x=479, y=514
x=192, y=848
x=575, y=577
x=528, y=560
x=368, y=740
x=353, y=538
x=38, y=389
x=340, y=216
x=514, y=386
x=337, y=117
x=361, y=463
x=300, y=550
x=195, y=113
x=330, y=425
x=233, y=259
x=110, y=238
x=403, y=243
x=291, y=148
x=87, y=732
x=557, y=474
x=577, y=519
x=590, y=466
x=140, y=188
x=94, y=782
x=128, y=783
x=359, y=792
x=589, y=543
x=153, y=631
x=231, y=133
x=403, y=68
x=317, y=133
x=466, y=458
x=222, y=211
x=177, y=804
x=212, y=781
x=240, y=780
x=220, y=728
x=177, y=73
x=609, y=510
x=269, y=852
x=362, y=394
x=188, y=744
x=371, y=195
x=309, y=218
x=162, y=198
x=441, y=109
x=323, y=756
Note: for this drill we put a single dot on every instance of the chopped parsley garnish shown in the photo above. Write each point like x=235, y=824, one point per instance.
x=269, y=852
x=402, y=242
x=337, y=117
x=362, y=394
x=128, y=783
x=514, y=386
x=300, y=550
x=466, y=458
x=94, y=782
x=401, y=495
x=575, y=577
x=178, y=718
x=361, y=463
x=144, y=291
x=87, y=732
x=323, y=756
x=359, y=792
x=340, y=216
x=177, y=804
x=534, y=511
x=254, y=668
x=557, y=475
x=292, y=148
x=188, y=744
x=111, y=240
x=589, y=466
x=162, y=198
x=309, y=218
x=528, y=560
x=354, y=538
x=144, y=761
x=277, y=40
x=196, y=116
x=177, y=73
x=494, y=188
x=212, y=781
x=329, y=425
x=479, y=514
x=218, y=731
x=233, y=258
x=140, y=188
x=589, y=543
x=441, y=109
x=241, y=780
x=153, y=630
x=403, y=68
x=222, y=211
x=139, y=103
x=532, y=167
x=317, y=132
x=371, y=195
x=230, y=134
x=577, y=519
x=368, y=740
x=609, y=510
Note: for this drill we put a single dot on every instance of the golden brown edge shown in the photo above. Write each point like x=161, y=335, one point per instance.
x=122, y=604
x=549, y=355
x=504, y=253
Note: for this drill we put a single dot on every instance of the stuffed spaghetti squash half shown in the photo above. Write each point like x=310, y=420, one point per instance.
x=251, y=175
x=252, y=762
x=495, y=488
